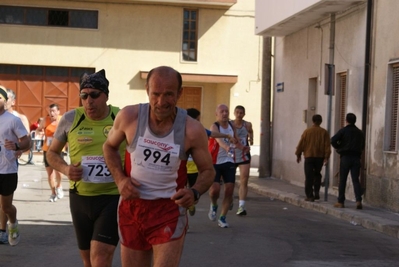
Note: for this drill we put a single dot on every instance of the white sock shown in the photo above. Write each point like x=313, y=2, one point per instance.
x=241, y=203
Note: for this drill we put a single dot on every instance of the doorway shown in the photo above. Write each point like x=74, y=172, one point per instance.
x=312, y=101
x=190, y=98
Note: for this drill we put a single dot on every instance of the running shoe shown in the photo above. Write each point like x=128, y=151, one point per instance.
x=3, y=238
x=191, y=210
x=53, y=198
x=241, y=211
x=59, y=192
x=222, y=222
x=212, y=212
x=13, y=234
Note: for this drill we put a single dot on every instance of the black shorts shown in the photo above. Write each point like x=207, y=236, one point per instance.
x=226, y=171
x=8, y=183
x=94, y=218
x=45, y=159
x=243, y=163
x=192, y=178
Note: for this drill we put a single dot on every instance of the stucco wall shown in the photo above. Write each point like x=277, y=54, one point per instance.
x=278, y=10
x=137, y=37
x=299, y=57
x=383, y=169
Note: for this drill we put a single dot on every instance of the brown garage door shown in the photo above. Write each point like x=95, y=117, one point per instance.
x=191, y=98
x=37, y=87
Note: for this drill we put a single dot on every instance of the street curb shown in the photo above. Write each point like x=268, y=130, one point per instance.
x=355, y=217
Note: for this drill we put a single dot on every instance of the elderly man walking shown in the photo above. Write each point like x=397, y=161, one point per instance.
x=315, y=146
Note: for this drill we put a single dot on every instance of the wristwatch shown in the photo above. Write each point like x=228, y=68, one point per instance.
x=197, y=195
x=17, y=147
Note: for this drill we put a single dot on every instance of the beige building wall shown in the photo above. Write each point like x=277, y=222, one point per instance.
x=300, y=57
x=137, y=37
x=383, y=169
x=276, y=10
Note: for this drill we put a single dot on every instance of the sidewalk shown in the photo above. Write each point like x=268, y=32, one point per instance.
x=377, y=219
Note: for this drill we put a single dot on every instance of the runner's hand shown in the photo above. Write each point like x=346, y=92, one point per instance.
x=9, y=145
x=18, y=154
x=127, y=188
x=184, y=197
x=246, y=149
x=75, y=172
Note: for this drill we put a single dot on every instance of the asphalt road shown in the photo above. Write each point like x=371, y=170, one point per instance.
x=274, y=233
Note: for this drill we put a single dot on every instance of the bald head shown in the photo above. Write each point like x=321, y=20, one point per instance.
x=221, y=106
x=165, y=72
x=222, y=113
x=164, y=88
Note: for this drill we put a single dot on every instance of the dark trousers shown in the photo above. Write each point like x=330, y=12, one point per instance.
x=349, y=164
x=313, y=176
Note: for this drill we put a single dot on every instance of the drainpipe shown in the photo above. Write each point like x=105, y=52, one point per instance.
x=330, y=94
x=265, y=146
x=366, y=84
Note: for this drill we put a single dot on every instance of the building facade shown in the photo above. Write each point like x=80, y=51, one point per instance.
x=355, y=39
x=47, y=44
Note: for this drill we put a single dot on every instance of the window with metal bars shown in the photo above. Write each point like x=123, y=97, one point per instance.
x=393, y=98
x=190, y=34
x=48, y=17
x=343, y=97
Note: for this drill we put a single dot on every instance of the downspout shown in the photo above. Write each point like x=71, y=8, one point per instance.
x=265, y=146
x=330, y=95
x=366, y=84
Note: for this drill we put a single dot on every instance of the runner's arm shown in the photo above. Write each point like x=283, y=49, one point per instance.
x=117, y=134
x=203, y=160
x=25, y=122
x=196, y=143
x=55, y=160
x=221, y=142
x=250, y=133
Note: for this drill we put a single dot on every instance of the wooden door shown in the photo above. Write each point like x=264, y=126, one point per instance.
x=191, y=98
x=37, y=87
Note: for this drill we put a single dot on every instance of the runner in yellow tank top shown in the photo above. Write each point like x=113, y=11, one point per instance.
x=93, y=194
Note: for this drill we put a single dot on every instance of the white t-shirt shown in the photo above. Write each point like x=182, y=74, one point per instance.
x=11, y=129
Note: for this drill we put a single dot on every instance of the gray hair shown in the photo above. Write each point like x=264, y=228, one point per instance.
x=11, y=93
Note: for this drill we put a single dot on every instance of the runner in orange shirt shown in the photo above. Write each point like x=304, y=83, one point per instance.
x=54, y=177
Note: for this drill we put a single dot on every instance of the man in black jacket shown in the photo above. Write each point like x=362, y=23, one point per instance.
x=349, y=143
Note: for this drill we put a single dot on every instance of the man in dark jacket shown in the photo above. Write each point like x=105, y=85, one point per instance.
x=349, y=143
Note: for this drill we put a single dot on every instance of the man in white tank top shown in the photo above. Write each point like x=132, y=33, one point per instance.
x=152, y=210
x=243, y=160
x=223, y=156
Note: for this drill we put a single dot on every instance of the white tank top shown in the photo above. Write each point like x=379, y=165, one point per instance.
x=155, y=160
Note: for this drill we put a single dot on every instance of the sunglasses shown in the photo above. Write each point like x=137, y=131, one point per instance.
x=93, y=95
